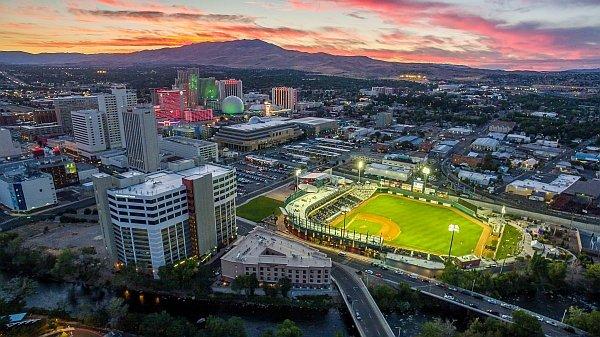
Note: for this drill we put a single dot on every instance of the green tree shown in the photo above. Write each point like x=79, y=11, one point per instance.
x=285, y=285
x=288, y=329
x=557, y=271
x=116, y=310
x=592, y=275
x=385, y=296
x=438, y=328
x=525, y=325
x=538, y=267
x=589, y=322
x=65, y=265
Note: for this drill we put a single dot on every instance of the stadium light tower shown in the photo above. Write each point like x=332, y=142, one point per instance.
x=298, y=171
x=360, y=166
x=454, y=229
x=426, y=171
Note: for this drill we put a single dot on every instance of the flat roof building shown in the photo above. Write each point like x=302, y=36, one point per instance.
x=158, y=219
x=272, y=257
x=315, y=126
x=257, y=134
x=188, y=148
x=23, y=190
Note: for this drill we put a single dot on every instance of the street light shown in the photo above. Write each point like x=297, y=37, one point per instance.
x=298, y=171
x=426, y=171
x=360, y=166
x=454, y=229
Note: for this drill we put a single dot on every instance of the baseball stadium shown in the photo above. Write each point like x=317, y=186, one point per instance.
x=371, y=218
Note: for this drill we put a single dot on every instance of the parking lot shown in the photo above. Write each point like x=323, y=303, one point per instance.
x=252, y=176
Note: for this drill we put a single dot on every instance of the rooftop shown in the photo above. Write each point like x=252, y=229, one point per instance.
x=258, y=124
x=313, y=120
x=164, y=181
x=189, y=141
x=261, y=246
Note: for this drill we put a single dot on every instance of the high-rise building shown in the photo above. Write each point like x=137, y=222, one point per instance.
x=149, y=221
x=141, y=138
x=230, y=87
x=187, y=79
x=88, y=130
x=284, y=97
x=63, y=106
x=113, y=106
x=208, y=89
x=171, y=103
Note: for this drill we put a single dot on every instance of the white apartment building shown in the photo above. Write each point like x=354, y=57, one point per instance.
x=113, y=106
x=284, y=97
x=63, y=106
x=24, y=191
x=272, y=257
x=141, y=138
x=88, y=130
x=230, y=87
x=189, y=148
x=158, y=219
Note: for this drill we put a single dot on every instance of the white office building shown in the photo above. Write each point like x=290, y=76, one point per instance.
x=113, y=106
x=158, y=219
x=23, y=191
x=88, y=130
x=230, y=87
x=189, y=148
x=141, y=138
x=284, y=97
x=63, y=106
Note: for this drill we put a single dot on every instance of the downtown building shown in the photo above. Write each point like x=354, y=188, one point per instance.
x=141, y=138
x=229, y=87
x=24, y=190
x=89, y=132
x=284, y=97
x=113, y=106
x=188, y=81
x=63, y=106
x=153, y=220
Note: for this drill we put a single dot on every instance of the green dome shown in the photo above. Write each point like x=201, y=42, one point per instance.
x=232, y=105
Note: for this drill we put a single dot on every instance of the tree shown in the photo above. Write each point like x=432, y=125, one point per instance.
x=288, y=329
x=248, y=283
x=64, y=268
x=592, y=275
x=285, y=285
x=116, y=310
x=385, y=296
x=270, y=289
x=525, y=325
x=538, y=267
x=438, y=328
x=218, y=327
x=589, y=322
x=557, y=271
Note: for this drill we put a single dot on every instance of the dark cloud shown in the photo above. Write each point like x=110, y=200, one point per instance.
x=158, y=15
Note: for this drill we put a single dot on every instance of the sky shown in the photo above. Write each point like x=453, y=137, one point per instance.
x=505, y=34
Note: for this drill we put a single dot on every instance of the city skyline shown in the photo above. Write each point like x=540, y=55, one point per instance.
x=524, y=35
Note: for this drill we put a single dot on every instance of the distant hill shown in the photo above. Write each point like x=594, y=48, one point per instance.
x=249, y=54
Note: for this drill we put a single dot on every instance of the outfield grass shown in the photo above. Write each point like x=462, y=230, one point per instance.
x=509, y=242
x=259, y=208
x=423, y=226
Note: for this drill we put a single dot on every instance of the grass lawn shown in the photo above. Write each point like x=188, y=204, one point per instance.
x=259, y=208
x=509, y=243
x=423, y=226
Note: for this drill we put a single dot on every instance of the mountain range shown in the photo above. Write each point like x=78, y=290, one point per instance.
x=249, y=54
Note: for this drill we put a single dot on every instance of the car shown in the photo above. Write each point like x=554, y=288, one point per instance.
x=491, y=300
x=473, y=305
x=378, y=275
x=539, y=318
x=358, y=316
x=399, y=272
x=506, y=317
x=493, y=312
x=453, y=289
x=553, y=323
x=342, y=253
x=413, y=276
x=369, y=271
x=449, y=297
x=384, y=267
x=359, y=272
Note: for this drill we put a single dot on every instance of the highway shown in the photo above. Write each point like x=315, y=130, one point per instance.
x=461, y=297
x=365, y=313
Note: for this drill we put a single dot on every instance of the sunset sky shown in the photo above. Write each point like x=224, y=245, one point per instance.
x=518, y=34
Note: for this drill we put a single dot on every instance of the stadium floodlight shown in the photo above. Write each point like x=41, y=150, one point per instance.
x=360, y=166
x=298, y=171
x=426, y=171
x=454, y=229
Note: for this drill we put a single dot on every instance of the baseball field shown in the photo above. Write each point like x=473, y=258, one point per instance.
x=416, y=225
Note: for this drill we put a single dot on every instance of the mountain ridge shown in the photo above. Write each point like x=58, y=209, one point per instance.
x=249, y=54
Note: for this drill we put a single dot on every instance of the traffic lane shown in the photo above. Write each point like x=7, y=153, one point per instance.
x=441, y=290
x=368, y=322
